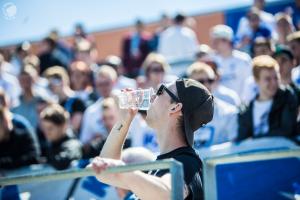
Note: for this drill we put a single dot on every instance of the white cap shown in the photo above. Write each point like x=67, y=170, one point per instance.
x=222, y=31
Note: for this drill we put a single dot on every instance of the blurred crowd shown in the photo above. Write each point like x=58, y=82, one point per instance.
x=59, y=105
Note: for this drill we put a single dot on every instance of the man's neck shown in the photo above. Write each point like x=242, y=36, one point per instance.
x=169, y=139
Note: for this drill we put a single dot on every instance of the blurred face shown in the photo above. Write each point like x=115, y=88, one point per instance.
x=79, y=79
x=283, y=27
x=254, y=21
x=262, y=49
x=110, y=117
x=268, y=82
x=285, y=65
x=159, y=109
x=295, y=47
x=56, y=85
x=52, y=131
x=156, y=72
x=104, y=85
x=204, y=79
x=25, y=81
x=221, y=45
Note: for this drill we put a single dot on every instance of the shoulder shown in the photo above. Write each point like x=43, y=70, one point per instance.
x=225, y=108
x=241, y=56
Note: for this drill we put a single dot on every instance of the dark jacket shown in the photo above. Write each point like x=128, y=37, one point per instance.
x=282, y=117
x=61, y=153
x=21, y=148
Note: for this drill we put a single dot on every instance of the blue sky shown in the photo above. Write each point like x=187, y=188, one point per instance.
x=33, y=19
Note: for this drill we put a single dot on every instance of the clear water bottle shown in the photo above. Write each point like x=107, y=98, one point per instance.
x=140, y=99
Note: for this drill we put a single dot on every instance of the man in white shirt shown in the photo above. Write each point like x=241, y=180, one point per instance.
x=92, y=123
x=266, y=19
x=234, y=66
x=178, y=42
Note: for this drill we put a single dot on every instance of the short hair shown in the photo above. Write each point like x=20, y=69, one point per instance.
x=155, y=58
x=56, y=114
x=263, y=62
x=200, y=67
x=108, y=102
x=58, y=72
x=107, y=71
x=283, y=16
x=179, y=18
x=295, y=36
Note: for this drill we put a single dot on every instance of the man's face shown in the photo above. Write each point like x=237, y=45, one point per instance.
x=268, y=82
x=26, y=81
x=78, y=79
x=104, y=85
x=52, y=131
x=110, y=117
x=160, y=107
x=285, y=64
x=220, y=44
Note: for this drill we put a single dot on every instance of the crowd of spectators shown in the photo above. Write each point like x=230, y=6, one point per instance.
x=59, y=105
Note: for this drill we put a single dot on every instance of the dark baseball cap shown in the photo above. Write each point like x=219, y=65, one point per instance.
x=198, y=106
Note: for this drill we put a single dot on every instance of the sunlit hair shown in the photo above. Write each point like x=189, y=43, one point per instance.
x=260, y=63
x=58, y=72
x=200, y=67
x=155, y=58
x=106, y=71
x=108, y=103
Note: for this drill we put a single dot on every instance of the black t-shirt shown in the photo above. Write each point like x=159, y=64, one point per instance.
x=192, y=169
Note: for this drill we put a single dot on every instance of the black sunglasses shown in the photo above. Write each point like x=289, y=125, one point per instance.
x=163, y=88
x=203, y=81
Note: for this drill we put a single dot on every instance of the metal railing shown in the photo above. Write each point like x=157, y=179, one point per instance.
x=174, y=166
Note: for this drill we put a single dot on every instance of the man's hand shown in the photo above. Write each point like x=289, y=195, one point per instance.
x=101, y=164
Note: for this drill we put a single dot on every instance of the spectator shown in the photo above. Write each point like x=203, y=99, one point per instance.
x=81, y=77
x=256, y=30
x=92, y=124
x=274, y=110
x=284, y=27
x=122, y=81
x=266, y=20
x=48, y=56
x=223, y=127
x=156, y=71
x=294, y=44
x=178, y=42
x=9, y=84
x=135, y=48
x=29, y=97
x=59, y=84
x=63, y=148
x=234, y=66
x=18, y=144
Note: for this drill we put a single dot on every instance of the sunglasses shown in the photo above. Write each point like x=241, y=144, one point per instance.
x=204, y=81
x=163, y=88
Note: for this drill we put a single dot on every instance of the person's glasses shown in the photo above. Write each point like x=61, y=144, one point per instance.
x=206, y=81
x=163, y=88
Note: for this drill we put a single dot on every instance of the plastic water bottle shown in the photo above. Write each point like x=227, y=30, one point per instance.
x=140, y=99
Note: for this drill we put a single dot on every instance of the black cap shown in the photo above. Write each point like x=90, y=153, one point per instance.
x=198, y=106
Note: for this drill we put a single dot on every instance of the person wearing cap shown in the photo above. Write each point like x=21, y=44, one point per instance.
x=234, y=66
x=174, y=115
